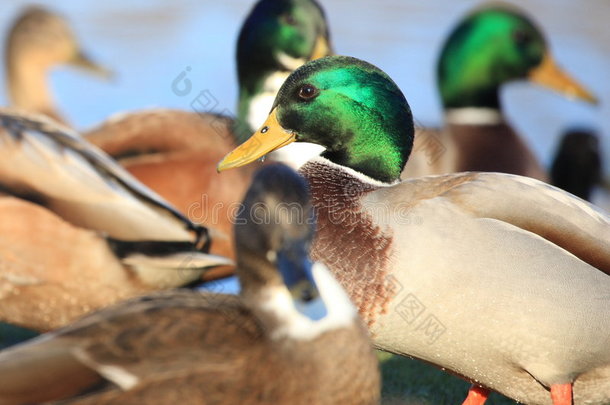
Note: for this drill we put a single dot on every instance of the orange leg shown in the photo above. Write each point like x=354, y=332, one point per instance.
x=561, y=394
x=477, y=396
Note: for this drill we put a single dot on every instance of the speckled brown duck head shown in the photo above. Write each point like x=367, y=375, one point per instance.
x=273, y=231
x=38, y=41
x=293, y=337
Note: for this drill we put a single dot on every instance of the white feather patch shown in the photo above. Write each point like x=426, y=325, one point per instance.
x=474, y=116
x=340, y=312
x=119, y=376
x=260, y=105
x=289, y=62
x=296, y=155
x=173, y=270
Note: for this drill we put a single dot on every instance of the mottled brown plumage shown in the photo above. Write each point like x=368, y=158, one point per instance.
x=347, y=240
x=192, y=348
x=501, y=279
x=188, y=347
x=56, y=259
x=52, y=272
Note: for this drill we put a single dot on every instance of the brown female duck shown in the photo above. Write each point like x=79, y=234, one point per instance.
x=175, y=152
x=39, y=41
x=77, y=232
x=291, y=337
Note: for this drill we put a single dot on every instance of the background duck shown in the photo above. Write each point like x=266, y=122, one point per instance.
x=194, y=34
x=490, y=47
x=501, y=279
x=291, y=337
x=178, y=29
x=577, y=165
x=175, y=152
x=39, y=41
x=77, y=232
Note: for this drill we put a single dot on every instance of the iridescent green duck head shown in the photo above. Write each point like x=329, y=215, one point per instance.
x=277, y=37
x=494, y=46
x=348, y=106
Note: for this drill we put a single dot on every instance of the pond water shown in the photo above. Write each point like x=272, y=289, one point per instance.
x=149, y=42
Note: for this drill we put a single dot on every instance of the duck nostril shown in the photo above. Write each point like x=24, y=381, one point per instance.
x=307, y=294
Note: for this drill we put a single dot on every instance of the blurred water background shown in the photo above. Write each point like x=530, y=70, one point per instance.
x=149, y=42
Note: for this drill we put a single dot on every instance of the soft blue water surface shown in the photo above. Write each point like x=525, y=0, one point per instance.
x=149, y=42
x=228, y=285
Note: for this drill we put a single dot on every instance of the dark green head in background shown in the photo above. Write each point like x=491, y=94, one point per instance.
x=277, y=37
x=281, y=35
x=494, y=46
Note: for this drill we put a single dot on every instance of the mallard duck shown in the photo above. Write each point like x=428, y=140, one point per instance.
x=501, y=279
x=39, y=41
x=175, y=152
x=77, y=232
x=490, y=47
x=291, y=337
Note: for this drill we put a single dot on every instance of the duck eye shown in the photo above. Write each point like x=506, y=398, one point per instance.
x=307, y=92
x=289, y=19
x=521, y=37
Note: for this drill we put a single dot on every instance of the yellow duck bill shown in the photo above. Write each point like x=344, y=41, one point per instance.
x=549, y=75
x=271, y=136
x=321, y=49
x=82, y=61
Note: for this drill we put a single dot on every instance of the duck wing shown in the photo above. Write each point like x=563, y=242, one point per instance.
x=557, y=216
x=114, y=353
x=50, y=164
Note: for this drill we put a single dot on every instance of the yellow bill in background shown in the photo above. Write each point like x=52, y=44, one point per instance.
x=83, y=61
x=548, y=74
x=321, y=49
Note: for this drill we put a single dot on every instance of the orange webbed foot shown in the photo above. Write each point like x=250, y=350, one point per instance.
x=476, y=395
x=561, y=394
